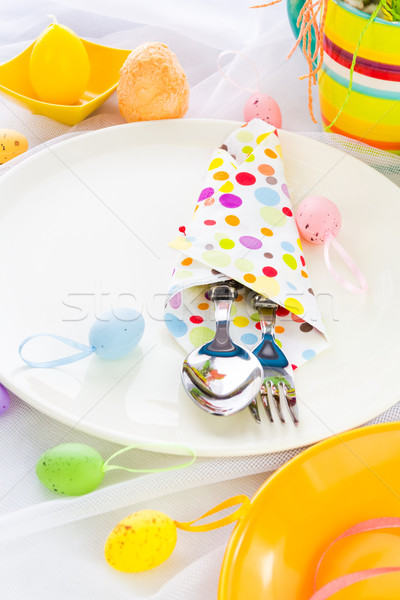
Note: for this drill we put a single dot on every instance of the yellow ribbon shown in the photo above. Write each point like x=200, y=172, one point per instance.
x=237, y=514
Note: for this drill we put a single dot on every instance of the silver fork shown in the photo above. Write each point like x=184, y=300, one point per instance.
x=278, y=383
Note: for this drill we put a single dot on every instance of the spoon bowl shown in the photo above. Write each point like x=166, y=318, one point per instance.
x=222, y=377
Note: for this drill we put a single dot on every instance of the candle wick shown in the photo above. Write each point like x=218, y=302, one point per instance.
x=53, y=19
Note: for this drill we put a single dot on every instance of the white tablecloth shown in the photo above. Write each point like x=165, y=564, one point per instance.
x=53, y=547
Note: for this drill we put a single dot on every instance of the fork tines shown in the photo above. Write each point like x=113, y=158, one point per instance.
x=272, y=394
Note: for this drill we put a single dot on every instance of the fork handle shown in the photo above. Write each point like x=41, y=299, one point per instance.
x=268, y=352
x=267, y=312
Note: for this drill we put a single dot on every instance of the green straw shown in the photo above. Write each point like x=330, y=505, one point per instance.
x=353, y=63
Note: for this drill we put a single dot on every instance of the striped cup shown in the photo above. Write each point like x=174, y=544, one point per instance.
x=372, y=112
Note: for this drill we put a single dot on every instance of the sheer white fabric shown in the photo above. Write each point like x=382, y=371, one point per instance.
x=53, y=547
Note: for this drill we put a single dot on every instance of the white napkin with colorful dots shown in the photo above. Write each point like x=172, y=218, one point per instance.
x=243, y=228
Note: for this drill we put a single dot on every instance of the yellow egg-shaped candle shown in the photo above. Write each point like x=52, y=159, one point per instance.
x=59, y=66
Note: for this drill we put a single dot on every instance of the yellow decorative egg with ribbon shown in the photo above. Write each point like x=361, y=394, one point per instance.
x=147, y=538
x=12, y=144
x=141, y=541
x=59, y=66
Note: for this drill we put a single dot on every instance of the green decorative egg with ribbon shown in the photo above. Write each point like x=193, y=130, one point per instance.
x=76, y=469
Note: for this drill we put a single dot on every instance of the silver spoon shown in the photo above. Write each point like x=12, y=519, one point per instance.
x=222, y=377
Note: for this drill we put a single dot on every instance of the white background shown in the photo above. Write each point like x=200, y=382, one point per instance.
x=53, y=547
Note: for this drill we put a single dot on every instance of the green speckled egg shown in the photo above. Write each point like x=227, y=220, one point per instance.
x=70, y=469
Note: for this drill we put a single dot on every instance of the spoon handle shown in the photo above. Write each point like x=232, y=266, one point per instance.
x=223, y=295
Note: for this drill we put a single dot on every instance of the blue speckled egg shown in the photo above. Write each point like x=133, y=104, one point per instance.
x=117, y=333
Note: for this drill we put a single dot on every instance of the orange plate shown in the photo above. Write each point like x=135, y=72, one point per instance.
x=274, y=550
x=105, y=64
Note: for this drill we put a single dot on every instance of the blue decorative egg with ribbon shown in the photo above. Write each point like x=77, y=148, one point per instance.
x=114, y=335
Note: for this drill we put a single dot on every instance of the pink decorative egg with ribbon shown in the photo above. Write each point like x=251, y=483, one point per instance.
x=262, y=106
x=319, y=221
x=317, y=218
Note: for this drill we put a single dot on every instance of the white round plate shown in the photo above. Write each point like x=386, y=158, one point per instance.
x=84, y=227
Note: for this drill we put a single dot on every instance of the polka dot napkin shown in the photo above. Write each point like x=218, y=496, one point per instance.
x=243, y=228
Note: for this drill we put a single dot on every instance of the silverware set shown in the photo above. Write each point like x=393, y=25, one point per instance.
x=224, y=378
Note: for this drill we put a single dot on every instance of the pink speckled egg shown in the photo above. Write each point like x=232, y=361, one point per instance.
x=316, y=218
x=261, y=106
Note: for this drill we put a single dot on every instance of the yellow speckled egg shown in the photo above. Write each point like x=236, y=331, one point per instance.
x=141, y=541
x=12, y=144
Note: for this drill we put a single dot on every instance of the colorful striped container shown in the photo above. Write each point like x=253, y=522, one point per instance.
x=372, y=112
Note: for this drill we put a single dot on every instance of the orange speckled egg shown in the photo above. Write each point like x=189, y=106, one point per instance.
x=141, y=541
x=12, y=144
x=152, y=84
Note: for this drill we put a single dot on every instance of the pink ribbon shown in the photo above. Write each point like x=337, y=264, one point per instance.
x=348, y=261
x=345, y=581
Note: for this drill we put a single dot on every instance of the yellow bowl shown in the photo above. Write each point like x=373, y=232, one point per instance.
x=105, y=64
x=275, y=548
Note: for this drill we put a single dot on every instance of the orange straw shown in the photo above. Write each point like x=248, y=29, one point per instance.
x=307, y=23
